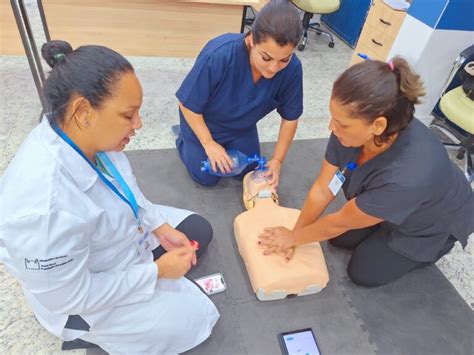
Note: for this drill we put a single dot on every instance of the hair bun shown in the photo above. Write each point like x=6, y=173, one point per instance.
x=55, y=52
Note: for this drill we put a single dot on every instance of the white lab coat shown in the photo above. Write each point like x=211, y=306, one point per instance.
x=69, y=240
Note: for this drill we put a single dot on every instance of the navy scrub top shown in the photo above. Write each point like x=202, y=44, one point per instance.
x=421, y=195
x=221, y=88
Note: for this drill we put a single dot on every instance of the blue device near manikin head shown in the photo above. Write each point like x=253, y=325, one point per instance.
x=240, y=162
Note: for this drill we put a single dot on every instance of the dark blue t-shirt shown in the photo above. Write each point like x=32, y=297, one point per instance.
x=221, y=88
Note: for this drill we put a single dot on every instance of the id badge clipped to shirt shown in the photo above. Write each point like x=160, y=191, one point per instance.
x=339, y=178
x=144, y=244
x=336, y=182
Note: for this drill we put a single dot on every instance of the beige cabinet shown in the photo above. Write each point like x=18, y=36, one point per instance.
x=379, y=32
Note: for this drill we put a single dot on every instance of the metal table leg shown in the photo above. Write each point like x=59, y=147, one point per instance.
x=247, y=21
x=43, y=20
x=29, y=44
x=244, y=17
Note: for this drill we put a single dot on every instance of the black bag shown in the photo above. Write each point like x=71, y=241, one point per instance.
x=468, y=86
x=467, y=78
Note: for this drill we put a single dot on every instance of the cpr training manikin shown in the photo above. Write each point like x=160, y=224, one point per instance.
x=271, y=276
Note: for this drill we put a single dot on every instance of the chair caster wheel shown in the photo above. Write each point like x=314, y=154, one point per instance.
x=301, y=47
x=460, y=154
x=331, y=44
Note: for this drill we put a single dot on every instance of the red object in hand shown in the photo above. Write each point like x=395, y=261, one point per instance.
x=195, y=244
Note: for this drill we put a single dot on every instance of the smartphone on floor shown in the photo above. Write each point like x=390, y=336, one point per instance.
x=299, y=342
x=212, y=284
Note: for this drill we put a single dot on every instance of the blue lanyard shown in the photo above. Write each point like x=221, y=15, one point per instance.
x=115, y=173
x=130, y=199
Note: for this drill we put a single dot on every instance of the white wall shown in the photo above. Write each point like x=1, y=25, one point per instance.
x=432, y=54
x=436, y=63
x=411, y=40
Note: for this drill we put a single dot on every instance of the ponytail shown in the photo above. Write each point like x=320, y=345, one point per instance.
x=373, y=89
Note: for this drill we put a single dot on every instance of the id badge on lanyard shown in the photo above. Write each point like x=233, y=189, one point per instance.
x=144, y=244
x=338, y=179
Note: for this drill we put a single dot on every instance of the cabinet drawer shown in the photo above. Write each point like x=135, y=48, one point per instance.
x=377, y=42
x=367, y=50
x=379, y=32
x=385, y=19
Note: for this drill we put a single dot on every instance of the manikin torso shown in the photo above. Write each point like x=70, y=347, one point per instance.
x=272, y=276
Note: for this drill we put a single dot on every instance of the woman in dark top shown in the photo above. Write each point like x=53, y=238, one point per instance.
x=407, y=203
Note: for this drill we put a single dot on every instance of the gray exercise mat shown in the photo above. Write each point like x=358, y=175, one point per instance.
x=419, y=314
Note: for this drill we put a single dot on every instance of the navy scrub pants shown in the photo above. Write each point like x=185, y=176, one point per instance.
x=373, y=262
x=192, y=153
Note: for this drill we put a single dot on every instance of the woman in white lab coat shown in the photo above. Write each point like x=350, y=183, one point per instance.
x=97, y=261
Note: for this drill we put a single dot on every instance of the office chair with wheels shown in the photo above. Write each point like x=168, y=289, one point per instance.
x=454, y=113
x=311, y=7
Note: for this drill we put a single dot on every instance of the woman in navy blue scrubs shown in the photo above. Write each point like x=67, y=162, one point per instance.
x=237, y=80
